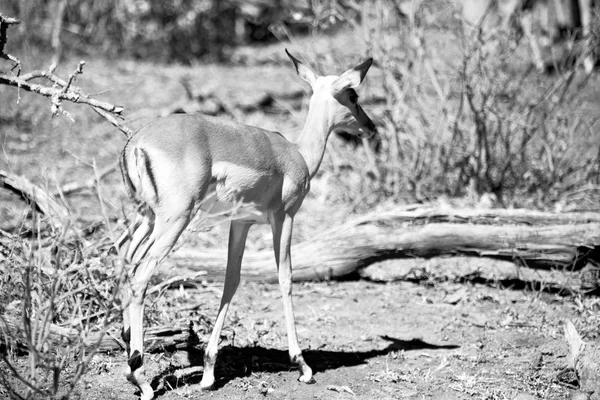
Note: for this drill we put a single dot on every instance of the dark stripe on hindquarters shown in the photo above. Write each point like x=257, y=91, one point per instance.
x=125, y=171
x=150, y=172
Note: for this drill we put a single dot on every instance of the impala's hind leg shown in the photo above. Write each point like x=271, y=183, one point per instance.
x=126, y=236
x=144, y=215
x=137, y=232
x=141, y=241
x=166, y=230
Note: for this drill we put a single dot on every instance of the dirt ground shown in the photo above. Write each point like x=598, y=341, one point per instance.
x=364, y=340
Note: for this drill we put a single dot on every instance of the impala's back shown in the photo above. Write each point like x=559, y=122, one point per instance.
x=231, y=169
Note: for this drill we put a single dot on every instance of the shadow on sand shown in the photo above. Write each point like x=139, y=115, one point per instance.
x=236, y=362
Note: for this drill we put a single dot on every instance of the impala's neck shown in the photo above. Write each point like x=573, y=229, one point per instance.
x=313, y=139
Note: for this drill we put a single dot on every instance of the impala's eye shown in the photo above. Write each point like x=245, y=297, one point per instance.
x=353, y=98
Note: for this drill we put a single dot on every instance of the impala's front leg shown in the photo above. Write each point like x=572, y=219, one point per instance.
x=282, y=239
x=238, y=232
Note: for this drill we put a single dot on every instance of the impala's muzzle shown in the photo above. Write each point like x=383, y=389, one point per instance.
x=367, y=130
x=366, y=127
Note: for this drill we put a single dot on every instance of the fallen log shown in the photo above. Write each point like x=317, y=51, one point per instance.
x=479, y=269
x=533, y=238
x=419, y=214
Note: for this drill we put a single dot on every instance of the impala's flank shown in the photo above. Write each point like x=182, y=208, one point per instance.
x=183, y=163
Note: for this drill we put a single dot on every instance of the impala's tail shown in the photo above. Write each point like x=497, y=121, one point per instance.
x=124, y=165
x=136, y=168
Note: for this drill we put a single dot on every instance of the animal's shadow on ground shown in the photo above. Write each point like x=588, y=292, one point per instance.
x=236, y=362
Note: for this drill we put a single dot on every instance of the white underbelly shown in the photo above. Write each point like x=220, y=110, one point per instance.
x=215, y=209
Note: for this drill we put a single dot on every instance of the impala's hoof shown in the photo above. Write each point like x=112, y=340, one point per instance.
x=306, y=375
x=134, y=372
x=147, y=395
x=208, y=385
x=308, y=381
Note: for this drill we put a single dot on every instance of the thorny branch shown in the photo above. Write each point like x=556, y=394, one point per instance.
x=60, y=89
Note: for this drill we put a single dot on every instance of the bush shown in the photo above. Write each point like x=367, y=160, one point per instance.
x=57, y=300
x=180, y=30
x=471, y=117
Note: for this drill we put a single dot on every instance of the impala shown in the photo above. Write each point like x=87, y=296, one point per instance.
x=180, y=164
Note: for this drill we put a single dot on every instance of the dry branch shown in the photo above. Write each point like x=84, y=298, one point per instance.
x=60, y=89
x=64, y=92
x=158, y=338
x=155, y=338
x=34, y=194
x=532, y=238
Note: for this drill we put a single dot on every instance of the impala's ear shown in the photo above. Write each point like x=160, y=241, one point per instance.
x=353, y=77
x=303, y=71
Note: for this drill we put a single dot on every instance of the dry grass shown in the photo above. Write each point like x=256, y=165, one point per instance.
x=59, y=294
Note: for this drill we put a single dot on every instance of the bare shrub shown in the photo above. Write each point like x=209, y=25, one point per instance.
x=58, y=297
x=466, y=117
x=531, y=137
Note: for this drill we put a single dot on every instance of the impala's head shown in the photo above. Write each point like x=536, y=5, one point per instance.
x=335, y=95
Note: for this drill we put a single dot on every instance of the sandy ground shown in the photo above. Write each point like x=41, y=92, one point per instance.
x=364, y=340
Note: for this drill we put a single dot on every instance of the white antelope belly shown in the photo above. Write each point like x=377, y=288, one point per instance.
x=216, y=206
